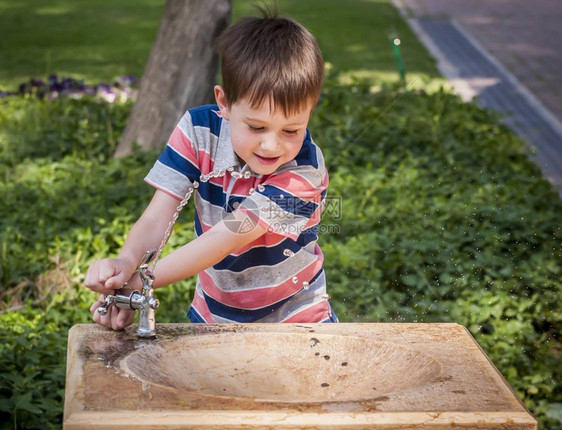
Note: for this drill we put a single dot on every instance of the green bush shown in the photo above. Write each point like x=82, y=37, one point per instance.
x=443, y=219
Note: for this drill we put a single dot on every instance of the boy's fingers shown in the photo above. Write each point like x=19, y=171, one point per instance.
x=105, y=320
x=125, y=318
x=92, y=282
x=121, y=319
x=116, y=282
x=100, y=301
x=91, y=279
x=114, y=317
x=106, y=272
x=95, y=315
x=94, y=307
x=120, y=323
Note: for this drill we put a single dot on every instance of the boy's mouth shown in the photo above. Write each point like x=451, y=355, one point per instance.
x=265, y=160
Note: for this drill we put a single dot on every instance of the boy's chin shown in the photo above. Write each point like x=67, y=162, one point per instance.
x=263, y=169
x=260, y=170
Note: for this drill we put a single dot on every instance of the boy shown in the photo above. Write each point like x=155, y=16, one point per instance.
x=259, y=187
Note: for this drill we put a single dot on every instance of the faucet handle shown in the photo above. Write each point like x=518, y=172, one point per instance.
x=109, y=300
x=147, y=258
x=143, y=269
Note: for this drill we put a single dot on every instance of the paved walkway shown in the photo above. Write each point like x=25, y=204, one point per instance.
x=524, y=84
x=523, y=35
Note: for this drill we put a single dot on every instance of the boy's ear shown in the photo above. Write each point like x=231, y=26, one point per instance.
x=220, y=97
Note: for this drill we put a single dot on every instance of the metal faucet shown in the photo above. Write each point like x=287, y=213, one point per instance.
x=143, y=301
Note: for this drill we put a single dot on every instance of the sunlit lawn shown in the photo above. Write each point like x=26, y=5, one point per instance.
x=100, y=41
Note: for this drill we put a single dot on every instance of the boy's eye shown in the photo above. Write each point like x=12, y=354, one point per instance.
x=258, y=129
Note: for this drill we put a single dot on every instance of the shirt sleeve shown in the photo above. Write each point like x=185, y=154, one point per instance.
x=177, y=166
x=289, y=201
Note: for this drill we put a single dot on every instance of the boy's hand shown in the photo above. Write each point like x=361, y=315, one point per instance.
x=109, y=274
x=115, y=318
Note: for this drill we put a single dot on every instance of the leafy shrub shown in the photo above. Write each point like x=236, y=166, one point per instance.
x=444, y=219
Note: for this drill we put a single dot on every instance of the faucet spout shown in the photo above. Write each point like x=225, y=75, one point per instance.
x=146, y=303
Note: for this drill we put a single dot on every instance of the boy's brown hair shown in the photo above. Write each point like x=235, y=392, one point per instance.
x=271, y=57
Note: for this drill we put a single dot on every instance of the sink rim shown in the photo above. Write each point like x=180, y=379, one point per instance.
x=92, y=400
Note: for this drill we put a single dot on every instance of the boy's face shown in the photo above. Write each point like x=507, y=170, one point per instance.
x=261, y=138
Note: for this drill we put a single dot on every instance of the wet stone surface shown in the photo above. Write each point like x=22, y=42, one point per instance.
x=328, y=360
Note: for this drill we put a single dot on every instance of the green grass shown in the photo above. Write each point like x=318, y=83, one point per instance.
x=99, y=42
x=92, y=40
x=354, y=37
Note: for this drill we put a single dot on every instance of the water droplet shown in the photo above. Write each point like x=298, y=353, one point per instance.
x=305, y=285
x=288, y=253
x=295, y=279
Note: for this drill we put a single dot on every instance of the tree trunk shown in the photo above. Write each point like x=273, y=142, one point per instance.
x=181, y=71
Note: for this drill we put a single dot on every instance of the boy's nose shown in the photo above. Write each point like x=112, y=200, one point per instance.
x=270, y=146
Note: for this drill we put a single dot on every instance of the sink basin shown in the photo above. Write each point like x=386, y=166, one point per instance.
x=287, y=376
x=283, y=367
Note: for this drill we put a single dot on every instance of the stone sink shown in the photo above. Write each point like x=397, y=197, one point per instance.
x=288, y=376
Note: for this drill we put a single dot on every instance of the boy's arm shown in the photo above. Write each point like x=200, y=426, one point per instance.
x=206, y=250
x=149, y=230
x=110, y=274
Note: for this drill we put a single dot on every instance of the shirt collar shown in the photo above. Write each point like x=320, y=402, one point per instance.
x=225, y=156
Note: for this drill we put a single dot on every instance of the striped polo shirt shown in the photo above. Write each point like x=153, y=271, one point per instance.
x=277, y=277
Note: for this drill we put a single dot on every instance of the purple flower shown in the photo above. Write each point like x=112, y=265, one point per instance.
x=70, y=87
